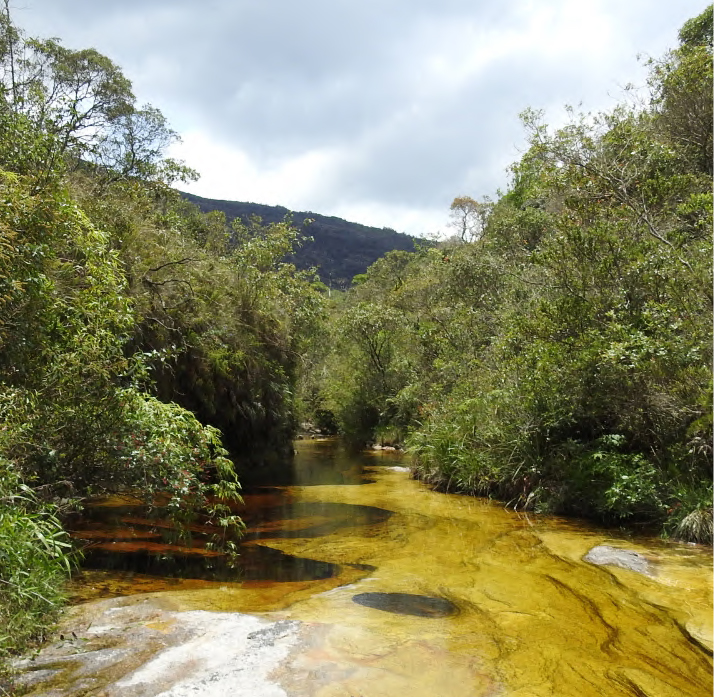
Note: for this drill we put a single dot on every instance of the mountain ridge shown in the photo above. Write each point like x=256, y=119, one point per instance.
x=339, y=249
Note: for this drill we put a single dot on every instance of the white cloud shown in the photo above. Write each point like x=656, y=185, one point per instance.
x=380, y=111
x=231, y=174
x=427, y=222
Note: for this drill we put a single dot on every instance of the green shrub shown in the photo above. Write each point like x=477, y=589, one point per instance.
x=35, y=562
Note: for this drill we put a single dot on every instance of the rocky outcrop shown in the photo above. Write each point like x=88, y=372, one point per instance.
x=604, y=555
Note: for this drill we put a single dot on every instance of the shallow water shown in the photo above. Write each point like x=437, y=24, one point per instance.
x=412, y=591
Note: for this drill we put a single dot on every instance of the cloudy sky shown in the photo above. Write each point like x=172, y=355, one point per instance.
x=378, y=111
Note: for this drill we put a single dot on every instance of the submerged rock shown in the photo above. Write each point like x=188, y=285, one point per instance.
x=407, y=604
x=604, y=555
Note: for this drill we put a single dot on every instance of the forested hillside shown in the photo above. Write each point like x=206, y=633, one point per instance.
x=556, y=354
x=139, y=337
x=338, y=249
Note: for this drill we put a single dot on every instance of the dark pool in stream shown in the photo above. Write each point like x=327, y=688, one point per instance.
x=127, y=539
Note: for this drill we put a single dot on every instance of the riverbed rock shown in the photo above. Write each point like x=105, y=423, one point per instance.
x=407, y=604
x=136, y=648
x=604, y=555
x=142, y=646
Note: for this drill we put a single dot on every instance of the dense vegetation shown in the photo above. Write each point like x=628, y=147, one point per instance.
x=556, y=353
x=337, y=249
x=141, y=340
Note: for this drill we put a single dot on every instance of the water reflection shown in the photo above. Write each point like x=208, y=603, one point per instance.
x=319, y=463
x=255, y=563
x=273, y=523
x=124, y=537
x=514, y=607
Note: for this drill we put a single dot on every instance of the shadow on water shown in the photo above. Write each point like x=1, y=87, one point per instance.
x=125, y=539
x=319, y=463
x=255, y=563
x=331, y=517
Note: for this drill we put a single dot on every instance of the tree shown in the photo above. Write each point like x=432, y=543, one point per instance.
x=558, y=356
x=133, y=146
x=682, y=84
x=80, y=109
x=469, y=217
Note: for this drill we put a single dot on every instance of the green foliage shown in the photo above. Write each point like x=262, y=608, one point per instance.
x=337, y=249
x=138, y=336
x=698, y=31
x=221, y=317
x=176, y=460
x=558, y=354
x=681, y=83
x=469, y=217
x=33, y=562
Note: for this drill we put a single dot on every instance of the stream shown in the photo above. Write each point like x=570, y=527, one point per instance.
x=354, y=580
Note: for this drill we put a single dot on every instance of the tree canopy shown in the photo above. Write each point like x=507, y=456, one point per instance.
x=557, y=353
x=145, y=346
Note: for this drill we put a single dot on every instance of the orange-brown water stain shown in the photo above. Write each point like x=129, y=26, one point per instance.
x=117, y=501
x=115, y=534
x=539, y=619
x=142, y=528
x=265, y=528
x=124, y=546
x=166, y=524
x=90, y=585
x=535, y=619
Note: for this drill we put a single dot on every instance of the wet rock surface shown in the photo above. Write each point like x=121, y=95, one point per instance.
x=604, y=555
x=534, y=619
x=139, y=649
